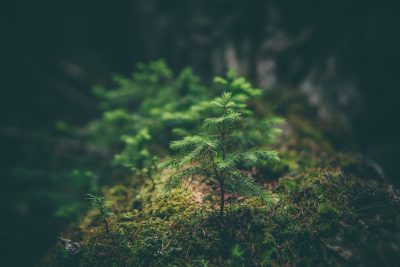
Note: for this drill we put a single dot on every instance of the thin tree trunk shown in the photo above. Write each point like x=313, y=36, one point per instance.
x=222, y=199
x=103, y=214
x=221, y=187
x=106, y=225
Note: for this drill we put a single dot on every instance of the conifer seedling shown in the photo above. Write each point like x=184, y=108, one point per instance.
x=218, y=155
x=98, y=202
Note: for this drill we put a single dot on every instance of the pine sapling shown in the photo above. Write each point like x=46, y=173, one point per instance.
x=218, y=154
x=99, y=203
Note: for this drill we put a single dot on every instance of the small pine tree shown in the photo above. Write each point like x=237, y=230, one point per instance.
x=98, y=202
x=218, y=154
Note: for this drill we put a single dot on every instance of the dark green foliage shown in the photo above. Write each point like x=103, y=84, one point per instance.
x=147, y=101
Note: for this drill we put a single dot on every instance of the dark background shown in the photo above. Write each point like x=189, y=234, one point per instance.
x=343, y=55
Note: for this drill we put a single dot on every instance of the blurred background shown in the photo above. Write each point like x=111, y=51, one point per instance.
x=343, y=55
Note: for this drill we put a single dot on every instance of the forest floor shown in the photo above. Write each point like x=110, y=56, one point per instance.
x=326, y=208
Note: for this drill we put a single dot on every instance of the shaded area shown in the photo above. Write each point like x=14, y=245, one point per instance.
x=343, y=55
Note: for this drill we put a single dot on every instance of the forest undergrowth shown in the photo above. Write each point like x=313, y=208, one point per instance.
x=222, y=175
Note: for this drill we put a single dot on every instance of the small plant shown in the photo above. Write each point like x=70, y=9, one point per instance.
x=99, y=203
x=137, y=157
x=150, y=170
x=218, y=155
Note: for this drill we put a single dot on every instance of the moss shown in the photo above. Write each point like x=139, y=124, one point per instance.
x=327, y=219
x=313, y=209
x=107, y=250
